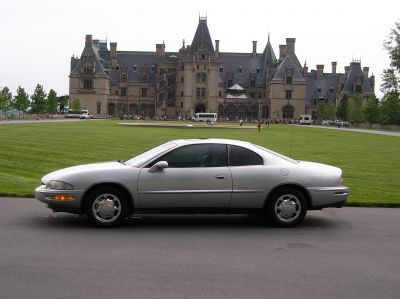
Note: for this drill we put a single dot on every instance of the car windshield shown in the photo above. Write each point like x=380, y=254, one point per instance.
x=144, y=157
x=276, y=154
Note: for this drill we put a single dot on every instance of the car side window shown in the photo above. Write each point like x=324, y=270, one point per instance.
x=197, y=155
x=239, y=156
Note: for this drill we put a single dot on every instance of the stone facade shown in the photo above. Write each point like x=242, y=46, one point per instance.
x=200, y=78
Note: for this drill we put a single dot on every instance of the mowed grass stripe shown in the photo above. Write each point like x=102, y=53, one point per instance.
x=28, y=151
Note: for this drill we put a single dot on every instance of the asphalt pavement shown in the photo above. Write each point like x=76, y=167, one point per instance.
x=335, y=253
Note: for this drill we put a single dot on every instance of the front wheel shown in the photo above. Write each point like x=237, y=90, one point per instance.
x=287, y=207
x=106, y=207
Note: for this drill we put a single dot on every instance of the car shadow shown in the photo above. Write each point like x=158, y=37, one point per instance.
x=182, y=222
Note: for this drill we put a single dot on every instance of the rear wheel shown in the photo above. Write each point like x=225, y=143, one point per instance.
x=287, y=207
x=106, y=207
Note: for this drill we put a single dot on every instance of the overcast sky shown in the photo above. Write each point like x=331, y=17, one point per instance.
x=39, y=37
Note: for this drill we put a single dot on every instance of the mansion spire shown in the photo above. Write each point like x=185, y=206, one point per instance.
x=202, y=42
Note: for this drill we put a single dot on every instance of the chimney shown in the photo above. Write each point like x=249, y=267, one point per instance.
x=113, y=54
x=320, y=71
x=160, y=50
x=290, y=44
x=88, y=41
x=346, y=70
x=365, y=71
x=254, y=53
x=282, y=51
x=217, y=45
x=96, y=42
x=334, y=64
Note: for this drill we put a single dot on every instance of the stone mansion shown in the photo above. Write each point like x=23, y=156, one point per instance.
x=201, y=78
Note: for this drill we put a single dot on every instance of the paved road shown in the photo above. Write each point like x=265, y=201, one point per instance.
x=368, y=131
x=336, y=253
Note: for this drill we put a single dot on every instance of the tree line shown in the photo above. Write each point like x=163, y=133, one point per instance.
x=38, y=102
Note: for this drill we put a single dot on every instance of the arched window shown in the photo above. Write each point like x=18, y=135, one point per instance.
x=287, y=111
x=98, y=108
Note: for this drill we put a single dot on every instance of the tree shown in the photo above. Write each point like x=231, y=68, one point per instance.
x=21, y=101
x=76, y=105
x=390, y=77
x=325, y=110
x=355, y=112
x=38, y=99
x=391, y=108
x=372, y=111
x=51, y=102
x=63, y=103
x=342, y=112
x=5, y=100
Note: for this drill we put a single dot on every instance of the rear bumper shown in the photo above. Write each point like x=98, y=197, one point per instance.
x=323, y=197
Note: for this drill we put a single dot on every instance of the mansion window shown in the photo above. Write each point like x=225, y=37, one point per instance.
x=87, y=84
x=116, y=92
x=288, y=94
x=289, y=79
x=153, y=68
x=252, y=83
x=258, y=70
x=171, y=94
x=87, y=71
x=200, y=92
x=201, y=78
x=143, y=92
x=123, y=78
x=230, y=83
x=331, y=90
x=287, y=111
x=123, y=91
x=98, y=107
x=358, y=88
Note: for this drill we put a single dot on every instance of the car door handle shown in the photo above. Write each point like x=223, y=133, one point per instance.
x=220, y=176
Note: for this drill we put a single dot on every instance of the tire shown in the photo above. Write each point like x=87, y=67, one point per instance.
x=106, y=207
x=286, y=207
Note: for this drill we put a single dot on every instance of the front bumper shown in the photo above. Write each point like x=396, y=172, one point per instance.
x=47, y=196
x=323, y=197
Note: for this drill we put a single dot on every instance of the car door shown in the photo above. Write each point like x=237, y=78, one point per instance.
x=250, y=179
x=197, y=176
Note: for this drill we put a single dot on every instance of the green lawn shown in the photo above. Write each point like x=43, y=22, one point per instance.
x=371, y=163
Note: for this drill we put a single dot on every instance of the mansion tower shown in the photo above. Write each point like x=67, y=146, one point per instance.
x=200, y=78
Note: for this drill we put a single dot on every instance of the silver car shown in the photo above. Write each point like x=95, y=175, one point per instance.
x=196, y=176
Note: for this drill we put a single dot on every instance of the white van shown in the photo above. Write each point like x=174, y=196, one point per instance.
x=305, y=119
x=208, y=117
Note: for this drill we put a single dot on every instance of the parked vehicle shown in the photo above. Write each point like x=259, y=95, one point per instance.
x=327, y=122
x=85, y=116
x=196, y=176
x=205, y=117
x=76, y=113
x=305, y=119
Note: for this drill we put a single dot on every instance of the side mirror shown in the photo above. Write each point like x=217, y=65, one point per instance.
x=160, y=165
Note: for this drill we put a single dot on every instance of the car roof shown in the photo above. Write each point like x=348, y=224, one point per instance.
x=181, y=142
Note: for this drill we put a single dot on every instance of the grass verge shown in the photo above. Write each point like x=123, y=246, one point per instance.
x=28, y=151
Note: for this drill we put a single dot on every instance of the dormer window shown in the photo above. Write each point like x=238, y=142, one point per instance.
x=153, y=68
x=258, y=70
x=319, y=89
x=240, y=69
x=87, y=71
x=221, y=69
x=358, y=88
x=123, y=78
x=331, y=90
x=135, y=68
x=289, y=79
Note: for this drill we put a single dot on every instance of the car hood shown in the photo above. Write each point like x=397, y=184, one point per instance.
x=83, y=169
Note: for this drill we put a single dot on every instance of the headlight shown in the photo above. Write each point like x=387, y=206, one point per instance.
x=59, y=185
